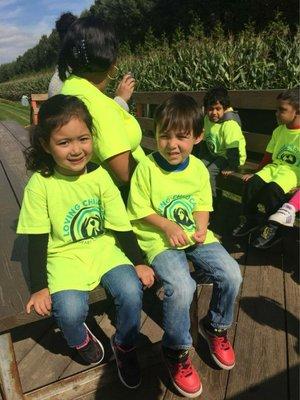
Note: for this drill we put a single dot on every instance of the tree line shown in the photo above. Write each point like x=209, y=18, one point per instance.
x=137, y=20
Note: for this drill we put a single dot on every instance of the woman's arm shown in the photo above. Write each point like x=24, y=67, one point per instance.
x=122, y=166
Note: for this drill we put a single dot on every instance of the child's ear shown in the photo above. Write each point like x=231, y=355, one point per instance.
x=44, y=145
x=199, y=138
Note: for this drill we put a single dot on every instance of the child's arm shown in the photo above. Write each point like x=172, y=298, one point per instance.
x=129, y=244
x=174, y=233
x=201, y=219
x=267, y=159
x=40, y=298
x=233, y=158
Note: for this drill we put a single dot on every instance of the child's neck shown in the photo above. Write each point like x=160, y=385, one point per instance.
x=163, y=163
x=295, y=124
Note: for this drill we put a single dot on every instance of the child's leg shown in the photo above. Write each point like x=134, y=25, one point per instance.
x=295, y=201
x=251, y=219
x=172, y=269
x=70, y=309
x=126, y=289
x=272, y=197
x=215, y=265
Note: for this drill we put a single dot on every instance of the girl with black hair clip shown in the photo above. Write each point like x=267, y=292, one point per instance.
x=87, y=61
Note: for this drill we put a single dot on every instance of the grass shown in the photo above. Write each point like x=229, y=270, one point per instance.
x=14, y=111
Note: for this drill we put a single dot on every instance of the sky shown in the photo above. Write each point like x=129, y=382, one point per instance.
x=23, y=22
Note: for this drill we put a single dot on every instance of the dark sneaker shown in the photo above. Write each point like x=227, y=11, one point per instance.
x=183, y=374
x=269, y=236
x=93, y=351
x=219, y=346
x=128, y=366
x=244, y=228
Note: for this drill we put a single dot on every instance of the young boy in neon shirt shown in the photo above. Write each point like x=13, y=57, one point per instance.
x=223, y=148
x=169, y=203
x=279, y=171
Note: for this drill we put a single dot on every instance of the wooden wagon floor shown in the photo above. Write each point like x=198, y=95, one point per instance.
x=265, y=337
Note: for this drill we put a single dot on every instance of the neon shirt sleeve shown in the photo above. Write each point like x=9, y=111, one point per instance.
x=34, y=216
x=232, y=134
x=272, y=142
x=204, y=200
x=139, y=200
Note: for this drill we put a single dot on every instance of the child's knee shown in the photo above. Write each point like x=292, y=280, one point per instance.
x=181, y=291
x=70, y=307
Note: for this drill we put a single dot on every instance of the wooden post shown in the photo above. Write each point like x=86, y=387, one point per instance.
x=9, y=374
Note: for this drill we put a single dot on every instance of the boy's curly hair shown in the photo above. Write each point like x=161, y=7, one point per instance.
x=53, y=114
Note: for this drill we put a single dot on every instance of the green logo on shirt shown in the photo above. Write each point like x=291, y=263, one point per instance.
x=288, y=154
x=84, y=220
x=210, y=143
x=179, y=208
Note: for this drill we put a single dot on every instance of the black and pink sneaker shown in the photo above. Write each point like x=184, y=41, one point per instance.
x=128, y=366
x=91, y=350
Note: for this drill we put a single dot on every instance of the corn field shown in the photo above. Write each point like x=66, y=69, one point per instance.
x=267, y=60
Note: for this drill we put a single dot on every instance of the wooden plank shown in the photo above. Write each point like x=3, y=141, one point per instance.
x=13, y=272
x=19, y=133
x=13, y=162
x=39, y=96
x=91, y=380
x=292, y=292
x=260, y=341
x=247, y=99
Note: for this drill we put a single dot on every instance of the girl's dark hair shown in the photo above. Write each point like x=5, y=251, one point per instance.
x=53, y=114
x=90, y=45
x=217, y=94
x=292, y=96
x=179, y=112
x=63, y=23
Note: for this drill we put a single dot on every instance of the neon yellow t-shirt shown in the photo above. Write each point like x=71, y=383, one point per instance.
x=78, y=213
x=116, y=131
x=285, y=168
x=174, y=195
x=223, y=136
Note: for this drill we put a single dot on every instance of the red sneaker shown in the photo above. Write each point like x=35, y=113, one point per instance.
x=220, y=348
x=184, y=376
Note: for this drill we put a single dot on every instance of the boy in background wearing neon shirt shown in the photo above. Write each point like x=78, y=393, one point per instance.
x=169, y=204
x=279, y=171
x=223, y=148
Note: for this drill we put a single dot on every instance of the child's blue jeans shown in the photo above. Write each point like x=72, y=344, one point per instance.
x=213, y=265
x=70, y=307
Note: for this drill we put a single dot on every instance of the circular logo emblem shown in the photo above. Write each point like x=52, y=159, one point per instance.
x=288, y=157
x=180, y=211
x=87, y=223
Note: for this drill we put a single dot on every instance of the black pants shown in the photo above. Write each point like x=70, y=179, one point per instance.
x=258, y=191
x=215, y=164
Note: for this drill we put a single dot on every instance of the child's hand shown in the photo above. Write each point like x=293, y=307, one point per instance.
x=175, y=234
x=145, y=274
x=200, y=236
x=126, y=87
x=226, y=173
x=40, y=301
x=246, y=177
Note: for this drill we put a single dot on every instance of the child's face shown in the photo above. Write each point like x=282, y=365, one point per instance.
x=174, y=146
x=215, y=112
x=285, y=113
x=71, y=147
